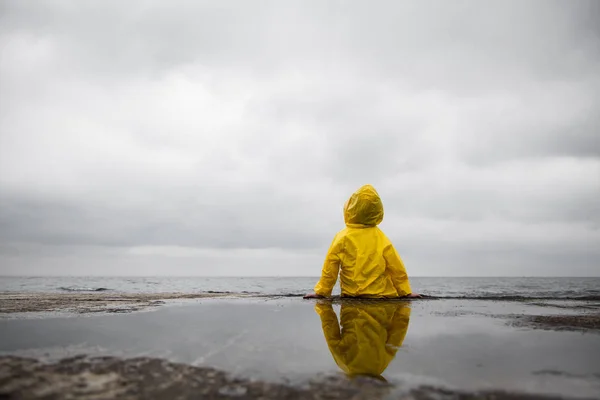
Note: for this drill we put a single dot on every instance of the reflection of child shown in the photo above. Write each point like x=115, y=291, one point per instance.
x=367, y=336
x=370, y=266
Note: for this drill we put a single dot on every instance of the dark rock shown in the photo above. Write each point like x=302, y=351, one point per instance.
x=148, y=378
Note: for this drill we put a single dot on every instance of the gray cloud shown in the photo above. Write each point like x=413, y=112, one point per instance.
x=225, y=138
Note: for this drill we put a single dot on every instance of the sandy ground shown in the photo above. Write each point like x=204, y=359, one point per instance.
x=82, y=303
x=108, y=377
x=583, y=323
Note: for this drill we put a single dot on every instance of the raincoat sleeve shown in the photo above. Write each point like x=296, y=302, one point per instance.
x=333, y=334
x=396, y=270
x=331, y=268
x=329, y=323
x=398, y=327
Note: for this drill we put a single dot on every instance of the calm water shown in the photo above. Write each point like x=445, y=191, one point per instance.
x=445, y=287
x=463, y=344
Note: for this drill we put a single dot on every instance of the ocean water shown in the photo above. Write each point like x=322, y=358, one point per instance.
x=526, y=287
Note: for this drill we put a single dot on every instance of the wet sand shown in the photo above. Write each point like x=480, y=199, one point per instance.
x=108, y=377
x=104, y=302
x=94, y=302
x=583, y=323
x=245, y=346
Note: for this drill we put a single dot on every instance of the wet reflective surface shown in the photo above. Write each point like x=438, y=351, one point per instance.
x=366, y=337
x=461, y=344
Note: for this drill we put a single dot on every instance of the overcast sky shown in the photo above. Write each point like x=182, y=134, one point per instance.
x=223, y=137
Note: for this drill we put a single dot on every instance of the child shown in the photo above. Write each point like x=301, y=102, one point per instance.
x=370, y=266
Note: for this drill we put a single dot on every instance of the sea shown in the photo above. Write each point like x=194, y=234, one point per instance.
x=449, y=287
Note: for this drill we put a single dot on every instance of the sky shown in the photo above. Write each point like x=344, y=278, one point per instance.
x=223, y=137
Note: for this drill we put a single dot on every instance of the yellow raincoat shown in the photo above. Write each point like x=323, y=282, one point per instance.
x=369, y=337
x=370, y=266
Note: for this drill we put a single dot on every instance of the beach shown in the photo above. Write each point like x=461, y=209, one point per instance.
x=305, y=200
x=241, y=345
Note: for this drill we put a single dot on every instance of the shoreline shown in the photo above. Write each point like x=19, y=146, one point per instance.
x=584, y=316
x=250, y=346
x=93, y=302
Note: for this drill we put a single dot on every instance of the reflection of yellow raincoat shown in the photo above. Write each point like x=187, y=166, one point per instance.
x=370, y=266
x=369, y=338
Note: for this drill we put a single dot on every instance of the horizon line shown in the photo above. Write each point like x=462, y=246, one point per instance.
x=282, y=276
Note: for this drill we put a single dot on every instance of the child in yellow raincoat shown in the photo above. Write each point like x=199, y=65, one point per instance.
x=362, y=255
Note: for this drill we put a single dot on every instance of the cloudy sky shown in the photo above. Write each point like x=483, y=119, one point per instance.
x=223, y=137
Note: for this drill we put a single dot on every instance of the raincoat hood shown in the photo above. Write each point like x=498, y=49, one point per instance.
x=364, y=209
